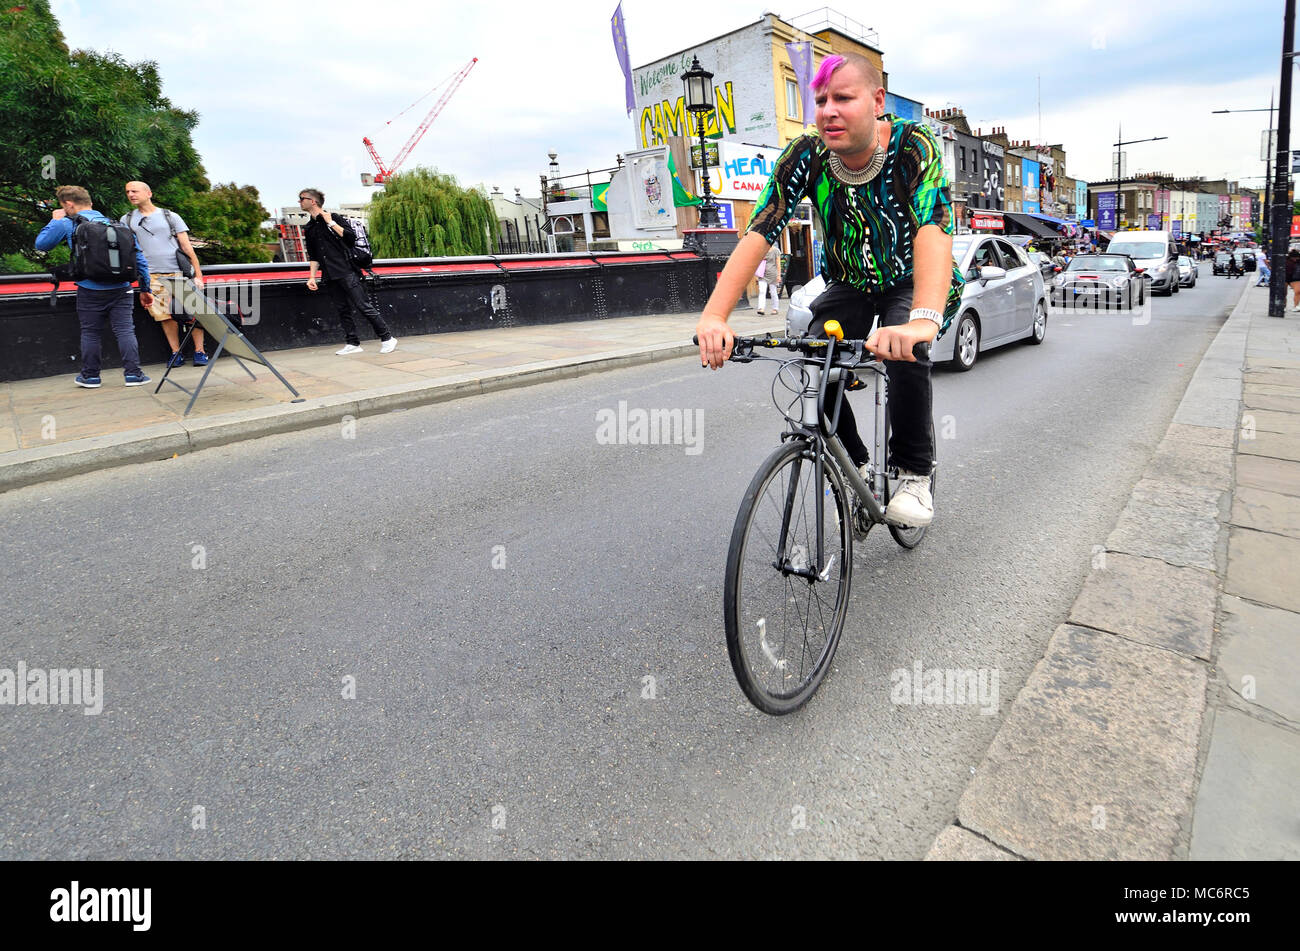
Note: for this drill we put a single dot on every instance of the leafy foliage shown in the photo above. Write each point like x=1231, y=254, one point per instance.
x=423, y=213
x=232, y=228
x=77, y=117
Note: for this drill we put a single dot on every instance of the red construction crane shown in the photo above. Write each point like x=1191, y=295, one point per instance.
x=386, y=173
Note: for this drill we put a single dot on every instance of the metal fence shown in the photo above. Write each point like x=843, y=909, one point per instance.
x=513, y=244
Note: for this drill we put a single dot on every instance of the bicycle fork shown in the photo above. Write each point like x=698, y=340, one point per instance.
x=812, y=568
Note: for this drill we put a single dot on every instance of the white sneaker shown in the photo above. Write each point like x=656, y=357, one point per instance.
x=911, y=504
x=349, y=348
x=388, y=346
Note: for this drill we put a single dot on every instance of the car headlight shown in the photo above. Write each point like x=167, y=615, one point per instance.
x=1119, y=281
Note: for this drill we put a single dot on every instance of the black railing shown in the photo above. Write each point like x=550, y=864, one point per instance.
x=513, y=244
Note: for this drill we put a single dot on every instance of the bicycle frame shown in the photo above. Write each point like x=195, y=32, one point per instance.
x=822, y=438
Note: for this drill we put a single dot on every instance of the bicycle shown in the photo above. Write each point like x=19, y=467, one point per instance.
x=786, y=595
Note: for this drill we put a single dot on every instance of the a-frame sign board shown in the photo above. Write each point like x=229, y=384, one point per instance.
x=188, y=298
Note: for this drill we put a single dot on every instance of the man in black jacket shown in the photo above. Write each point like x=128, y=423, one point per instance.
x=329, y=246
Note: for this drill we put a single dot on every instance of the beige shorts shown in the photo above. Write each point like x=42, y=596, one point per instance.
x=162, y=295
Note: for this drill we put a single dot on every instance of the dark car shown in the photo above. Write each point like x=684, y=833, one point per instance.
x=1245, y=259
x=1099, y=280
x=1220, y=265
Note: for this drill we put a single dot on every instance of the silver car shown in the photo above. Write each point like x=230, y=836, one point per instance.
x=1188, y=272
x=1003, y=301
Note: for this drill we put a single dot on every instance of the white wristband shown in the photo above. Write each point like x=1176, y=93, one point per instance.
x=925, y=313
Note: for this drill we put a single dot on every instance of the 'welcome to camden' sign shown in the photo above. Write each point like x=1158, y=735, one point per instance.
x=741, y=63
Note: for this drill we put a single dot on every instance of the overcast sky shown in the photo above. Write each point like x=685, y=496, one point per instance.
x=286, y=89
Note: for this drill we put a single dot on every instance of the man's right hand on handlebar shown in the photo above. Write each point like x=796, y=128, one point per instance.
x=716, y=340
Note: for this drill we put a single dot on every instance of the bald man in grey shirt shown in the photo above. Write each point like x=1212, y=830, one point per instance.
x=154, y=229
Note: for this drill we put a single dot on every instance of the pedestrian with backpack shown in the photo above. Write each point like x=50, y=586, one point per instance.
x=105, y=261
x=164, y=239
x=332, y=246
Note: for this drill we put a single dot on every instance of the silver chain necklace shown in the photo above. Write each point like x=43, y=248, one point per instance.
x=861, y=176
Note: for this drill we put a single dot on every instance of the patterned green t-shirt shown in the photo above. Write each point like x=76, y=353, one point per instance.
x=868, y=229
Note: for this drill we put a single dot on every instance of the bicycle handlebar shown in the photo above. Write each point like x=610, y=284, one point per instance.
x=743, y=347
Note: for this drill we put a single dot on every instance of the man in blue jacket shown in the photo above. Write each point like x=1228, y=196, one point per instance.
x=95, y=300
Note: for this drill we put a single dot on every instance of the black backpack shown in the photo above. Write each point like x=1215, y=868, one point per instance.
x=360, y=252
x=102, y=251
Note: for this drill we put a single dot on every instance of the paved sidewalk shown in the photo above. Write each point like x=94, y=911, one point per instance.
x=1164, y=720
x=51, y=428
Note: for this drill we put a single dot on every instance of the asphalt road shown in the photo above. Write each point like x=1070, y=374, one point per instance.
x=499, y=584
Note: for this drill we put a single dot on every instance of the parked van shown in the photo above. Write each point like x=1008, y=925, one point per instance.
x=1154, y=253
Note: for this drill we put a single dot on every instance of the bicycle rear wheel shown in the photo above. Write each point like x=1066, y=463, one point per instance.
x=783, y=627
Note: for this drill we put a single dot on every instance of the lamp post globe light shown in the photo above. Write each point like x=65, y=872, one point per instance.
x=699, y=100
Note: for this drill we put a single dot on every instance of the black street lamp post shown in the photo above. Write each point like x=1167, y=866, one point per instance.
x=699, y=101
x=1281, y=217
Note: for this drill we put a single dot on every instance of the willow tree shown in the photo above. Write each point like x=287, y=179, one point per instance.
x=423, y=213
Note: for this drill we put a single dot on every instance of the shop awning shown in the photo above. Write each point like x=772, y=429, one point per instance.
x=1056, y=222
x=1030, y=225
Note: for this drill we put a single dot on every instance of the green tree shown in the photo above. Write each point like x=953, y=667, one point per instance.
x=77, y=117
x=232, y=219
x=84, y=118
x=423, y=213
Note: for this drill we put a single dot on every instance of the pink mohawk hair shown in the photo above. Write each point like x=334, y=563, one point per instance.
x=828, y=66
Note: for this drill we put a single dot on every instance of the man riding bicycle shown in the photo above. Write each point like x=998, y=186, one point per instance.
x=881, y=198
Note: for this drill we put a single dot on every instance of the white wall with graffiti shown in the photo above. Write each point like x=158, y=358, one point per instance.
x=741, y=63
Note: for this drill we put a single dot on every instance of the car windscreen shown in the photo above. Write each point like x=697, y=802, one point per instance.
x=1185, y=261
x=1138, y=249
x=1222, y=256
x=960, y=246
x=1103, y=262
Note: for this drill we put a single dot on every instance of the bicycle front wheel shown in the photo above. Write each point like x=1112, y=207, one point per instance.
x=785, y=607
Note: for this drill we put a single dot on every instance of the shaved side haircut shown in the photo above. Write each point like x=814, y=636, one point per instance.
x=832, y=64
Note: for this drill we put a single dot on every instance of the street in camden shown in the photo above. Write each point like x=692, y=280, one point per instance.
x=636, y=431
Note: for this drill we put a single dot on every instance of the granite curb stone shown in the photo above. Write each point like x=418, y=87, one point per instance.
x=1117, y=599
x=1093, y=761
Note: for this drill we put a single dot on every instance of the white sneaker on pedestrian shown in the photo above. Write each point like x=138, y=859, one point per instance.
x=911, y=505
x=388, y=346
x=349, y=348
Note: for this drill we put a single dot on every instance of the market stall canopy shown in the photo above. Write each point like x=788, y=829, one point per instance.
x=1031, y=225
x=1062, y=226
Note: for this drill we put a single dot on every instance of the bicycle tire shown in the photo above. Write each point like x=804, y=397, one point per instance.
x=907, y=537
x=756, y=590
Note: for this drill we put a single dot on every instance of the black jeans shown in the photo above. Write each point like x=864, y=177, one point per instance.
x=911, y=442
x=349, y=295
x=93, y=307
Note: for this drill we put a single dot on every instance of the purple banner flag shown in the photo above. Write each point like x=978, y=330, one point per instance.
x=620, y=49
x=801, y=58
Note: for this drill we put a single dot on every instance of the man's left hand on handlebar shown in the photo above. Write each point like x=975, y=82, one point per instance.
x=896, y=343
